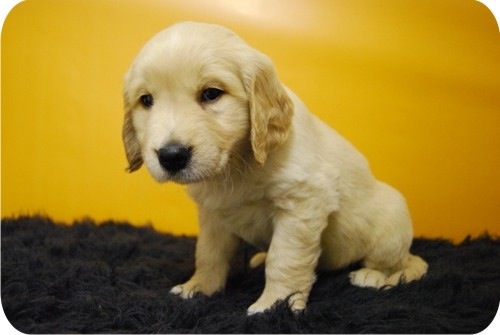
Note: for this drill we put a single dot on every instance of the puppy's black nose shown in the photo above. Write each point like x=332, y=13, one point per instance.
x=174, y=157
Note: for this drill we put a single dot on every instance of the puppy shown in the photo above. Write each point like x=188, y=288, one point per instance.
x=205, y=109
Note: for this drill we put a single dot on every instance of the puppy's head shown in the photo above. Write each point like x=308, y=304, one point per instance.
x=195, y=97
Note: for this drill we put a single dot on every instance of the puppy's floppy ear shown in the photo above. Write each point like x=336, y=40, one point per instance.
x=271, y=109
x=132, y=146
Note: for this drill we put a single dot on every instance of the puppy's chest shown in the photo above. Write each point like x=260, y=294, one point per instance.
x=246, y=213
x=251, y=221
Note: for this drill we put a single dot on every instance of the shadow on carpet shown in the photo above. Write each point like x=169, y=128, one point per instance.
x=114, y=277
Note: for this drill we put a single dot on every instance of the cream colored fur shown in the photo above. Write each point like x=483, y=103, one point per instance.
x=263, y=170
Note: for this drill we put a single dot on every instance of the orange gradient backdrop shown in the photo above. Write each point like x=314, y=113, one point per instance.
x=415, y=85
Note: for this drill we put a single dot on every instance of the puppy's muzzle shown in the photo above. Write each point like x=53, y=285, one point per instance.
x=174, y=157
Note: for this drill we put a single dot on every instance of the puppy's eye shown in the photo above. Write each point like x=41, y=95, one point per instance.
x=211, y=94
x=146, y=100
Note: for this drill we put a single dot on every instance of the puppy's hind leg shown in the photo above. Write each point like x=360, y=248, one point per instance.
x=366, y=277
x=413, y=268
x=257, y=259
x=389, y=262
x=409, y=269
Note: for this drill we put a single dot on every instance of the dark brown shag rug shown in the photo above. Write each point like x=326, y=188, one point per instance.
x=113, y=277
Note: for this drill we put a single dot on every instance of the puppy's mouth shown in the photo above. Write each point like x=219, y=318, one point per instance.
x=183, y=177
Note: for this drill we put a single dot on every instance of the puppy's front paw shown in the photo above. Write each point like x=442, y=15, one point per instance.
x=260, y=306
x=296, y=302
x=192, y=287
x=184, y=293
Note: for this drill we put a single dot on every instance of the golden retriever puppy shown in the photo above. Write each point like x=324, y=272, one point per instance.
x=205, y=109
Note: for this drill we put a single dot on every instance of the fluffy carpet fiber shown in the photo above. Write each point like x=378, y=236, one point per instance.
x=115, y=278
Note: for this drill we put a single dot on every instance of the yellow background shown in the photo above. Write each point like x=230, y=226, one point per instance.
x=415, y=85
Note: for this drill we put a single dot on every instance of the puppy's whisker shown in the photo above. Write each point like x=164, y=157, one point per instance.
x=228, y=179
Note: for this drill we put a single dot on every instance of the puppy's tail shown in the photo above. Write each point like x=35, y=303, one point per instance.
x=257, y=259
x=413, y=268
